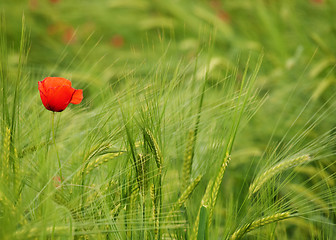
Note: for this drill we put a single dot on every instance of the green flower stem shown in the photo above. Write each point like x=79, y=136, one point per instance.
x=54, y=140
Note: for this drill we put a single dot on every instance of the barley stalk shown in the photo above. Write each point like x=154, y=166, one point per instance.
x=205, y=202
x=278, y=168
x=259, y=223
x=141, y=167
x=155, y=211
x=192, y=136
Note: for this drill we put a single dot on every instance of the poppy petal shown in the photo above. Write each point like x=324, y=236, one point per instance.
x=41, y=87
x=77, y=97
x=43, y=94
x=59, y=98
x=51, y=82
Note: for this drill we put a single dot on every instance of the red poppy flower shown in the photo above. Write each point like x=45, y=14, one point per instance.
x=117, y=41
x=69, y=36
x=56, y=93
x=57, y=181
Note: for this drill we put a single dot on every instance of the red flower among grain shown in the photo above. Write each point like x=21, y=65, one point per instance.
x=318, y=1
x=56, y=93
x=57, y=181
x=117, y=41
x=69, y=36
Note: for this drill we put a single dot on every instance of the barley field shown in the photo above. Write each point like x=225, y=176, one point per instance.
x=168, y=119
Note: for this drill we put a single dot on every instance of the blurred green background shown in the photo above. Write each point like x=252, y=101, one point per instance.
x=101, y=42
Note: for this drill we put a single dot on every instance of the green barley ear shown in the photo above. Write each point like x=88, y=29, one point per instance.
x=92, y=152
x=154, y=147
x=18, y=175
x=243, y=98
x=5, y=168
x=186, y=194
x=142, y=180
x=142, y=165
x=115, y=211
x=276, y=169
x=90, y=165
x=134, y=200
x=152, y=196
x=7, y=204
x=216, y=185
x=188, y=157
x=52, y=231
x=100, y=161
x=239, y=233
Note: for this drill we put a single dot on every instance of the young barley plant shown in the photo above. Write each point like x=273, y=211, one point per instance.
x=175, y=138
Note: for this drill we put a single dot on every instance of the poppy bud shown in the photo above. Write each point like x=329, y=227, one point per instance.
x=56, y=93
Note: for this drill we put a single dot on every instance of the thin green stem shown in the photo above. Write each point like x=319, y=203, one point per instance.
x=160, y=199
x=54, y=140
